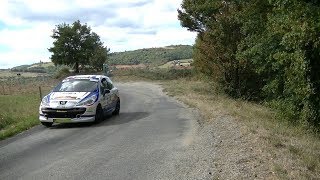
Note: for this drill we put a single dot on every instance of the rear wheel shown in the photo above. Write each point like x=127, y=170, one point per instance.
x=117, y=109
x=47, y=124
x=99, y=114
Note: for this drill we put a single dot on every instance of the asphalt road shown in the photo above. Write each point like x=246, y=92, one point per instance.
x=151, y=130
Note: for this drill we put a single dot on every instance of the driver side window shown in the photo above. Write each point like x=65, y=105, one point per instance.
x=109, y=84
x=104, y=84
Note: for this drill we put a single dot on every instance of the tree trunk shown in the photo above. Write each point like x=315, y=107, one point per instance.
x=77, y=67
x=237, y=80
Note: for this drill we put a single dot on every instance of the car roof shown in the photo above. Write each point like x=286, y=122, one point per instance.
x=92, y=77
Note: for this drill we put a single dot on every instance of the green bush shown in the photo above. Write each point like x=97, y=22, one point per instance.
x=64, y=71
x=157, y=73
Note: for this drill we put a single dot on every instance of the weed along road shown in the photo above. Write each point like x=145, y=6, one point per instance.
x=144, y=142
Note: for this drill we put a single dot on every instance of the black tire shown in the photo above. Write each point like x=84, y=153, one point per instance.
x=117, y=110
x=99, y=114
x=47, y=124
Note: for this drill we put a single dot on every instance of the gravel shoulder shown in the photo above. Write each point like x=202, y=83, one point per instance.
x=222, y=149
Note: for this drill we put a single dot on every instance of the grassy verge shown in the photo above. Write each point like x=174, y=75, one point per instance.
x=18, y=113
x=19, y=108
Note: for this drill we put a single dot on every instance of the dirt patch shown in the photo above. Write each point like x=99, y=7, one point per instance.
x=238, y=153
x=138, y=66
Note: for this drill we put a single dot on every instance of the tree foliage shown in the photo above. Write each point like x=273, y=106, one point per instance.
x=261, y=49
x=99, y=58
x=76, y=45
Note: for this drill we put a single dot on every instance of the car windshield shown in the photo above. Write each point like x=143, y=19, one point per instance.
x=76, y=85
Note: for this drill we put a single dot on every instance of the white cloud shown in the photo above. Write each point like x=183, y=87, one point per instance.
x=121, y=24
x=27, y=39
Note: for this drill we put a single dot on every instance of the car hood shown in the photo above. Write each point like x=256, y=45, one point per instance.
x=65, y=99
x=67, y=96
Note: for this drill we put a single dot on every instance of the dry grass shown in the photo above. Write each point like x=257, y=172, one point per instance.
x=127, y=78
x=6, y=74
x=291, y=152
x=139, y=66
x=44, y=64
x=183, y=62
x=23, y=86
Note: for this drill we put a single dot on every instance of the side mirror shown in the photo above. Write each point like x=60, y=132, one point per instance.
x=106, y=91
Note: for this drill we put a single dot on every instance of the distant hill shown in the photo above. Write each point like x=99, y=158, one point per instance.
x=45, y=67
x=155, y=56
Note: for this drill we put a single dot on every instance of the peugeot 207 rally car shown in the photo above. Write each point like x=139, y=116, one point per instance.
x=82, y=98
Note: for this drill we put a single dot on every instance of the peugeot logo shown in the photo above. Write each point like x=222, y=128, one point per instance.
x=63, y=102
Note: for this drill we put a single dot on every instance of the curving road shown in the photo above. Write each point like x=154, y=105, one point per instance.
x=141, y=143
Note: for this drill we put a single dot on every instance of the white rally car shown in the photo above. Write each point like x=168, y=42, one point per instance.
x=82, y=98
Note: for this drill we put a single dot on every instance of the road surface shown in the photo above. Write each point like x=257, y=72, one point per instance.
x=141, y=143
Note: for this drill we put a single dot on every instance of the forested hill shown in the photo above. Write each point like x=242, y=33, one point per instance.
x=151, y=55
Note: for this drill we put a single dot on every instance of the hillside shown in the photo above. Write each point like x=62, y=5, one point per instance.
x=36, y=67
x=155, y=56
x=151, y=55
x=44, y=67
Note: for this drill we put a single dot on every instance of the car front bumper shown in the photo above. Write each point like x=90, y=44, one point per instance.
x=67, y=115
x=43, y=118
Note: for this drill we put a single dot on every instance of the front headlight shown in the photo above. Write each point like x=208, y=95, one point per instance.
x=45, y=101
x=88, y=101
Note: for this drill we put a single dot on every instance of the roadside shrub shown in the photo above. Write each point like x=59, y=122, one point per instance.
x=156, y=73
x=62, y=73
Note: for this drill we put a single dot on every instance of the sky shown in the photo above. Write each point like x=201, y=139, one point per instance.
x=26, y=25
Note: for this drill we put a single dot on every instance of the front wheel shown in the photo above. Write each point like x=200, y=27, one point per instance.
x=117, y=109
x=99, y=114
x=47, y=124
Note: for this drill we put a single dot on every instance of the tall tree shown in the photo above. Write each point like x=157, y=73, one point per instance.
x=219, y=34
x=269, y=49
x=99, y=58
x=75, y=45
